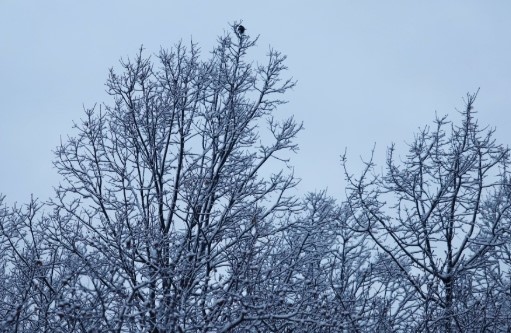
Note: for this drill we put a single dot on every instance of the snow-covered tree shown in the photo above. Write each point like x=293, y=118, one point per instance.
x=441, y=213
x=177, y=212
x=173, y=194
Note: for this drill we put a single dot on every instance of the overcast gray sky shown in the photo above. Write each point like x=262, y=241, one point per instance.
x=368, y=71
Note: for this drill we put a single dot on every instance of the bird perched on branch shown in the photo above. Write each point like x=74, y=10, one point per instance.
x=241, y=29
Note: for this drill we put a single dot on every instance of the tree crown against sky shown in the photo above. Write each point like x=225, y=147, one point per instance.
x=178, y=213
x=440, y=213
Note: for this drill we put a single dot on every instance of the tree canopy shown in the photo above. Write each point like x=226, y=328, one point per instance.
x=177, y=212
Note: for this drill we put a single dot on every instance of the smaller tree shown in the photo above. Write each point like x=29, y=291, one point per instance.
x=33, y=272
x=439, y=214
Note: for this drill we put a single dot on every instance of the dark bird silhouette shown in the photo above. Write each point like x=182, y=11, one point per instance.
x=241, y=29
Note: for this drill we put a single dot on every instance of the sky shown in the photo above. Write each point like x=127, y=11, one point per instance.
x=369, y=73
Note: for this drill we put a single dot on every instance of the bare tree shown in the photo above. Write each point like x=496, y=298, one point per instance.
x=167, y=198
x=177, y=212
x=440, y=214
x=33, y=272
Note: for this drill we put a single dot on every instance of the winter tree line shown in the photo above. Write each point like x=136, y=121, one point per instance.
x=177, y=212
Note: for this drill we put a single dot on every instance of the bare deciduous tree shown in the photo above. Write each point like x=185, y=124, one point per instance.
x=177, y=212
x=439, y=214
x=33, y=271
x=167, y=201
